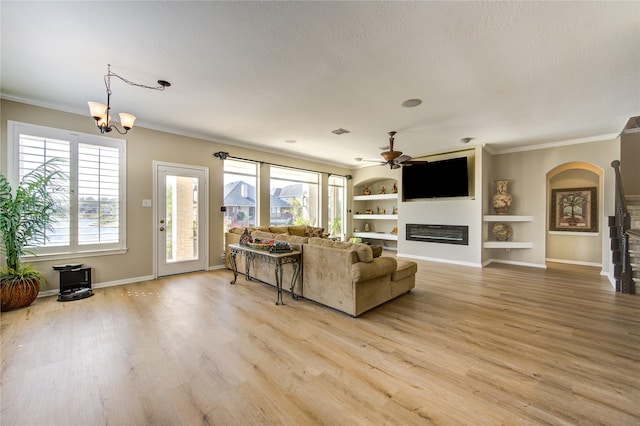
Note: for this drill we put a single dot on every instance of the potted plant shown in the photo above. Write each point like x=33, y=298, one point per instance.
x=25, y=216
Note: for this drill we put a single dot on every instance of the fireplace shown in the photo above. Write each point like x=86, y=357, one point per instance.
x=443, y=234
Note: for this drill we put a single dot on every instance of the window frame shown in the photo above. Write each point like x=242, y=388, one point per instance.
x=74, y=249
x=255, y=174
x=316, y=181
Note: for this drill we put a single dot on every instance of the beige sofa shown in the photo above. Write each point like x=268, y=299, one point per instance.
x=349, y=278
x=352, y=278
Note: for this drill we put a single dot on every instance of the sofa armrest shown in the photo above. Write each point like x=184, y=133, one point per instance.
x=364, y=271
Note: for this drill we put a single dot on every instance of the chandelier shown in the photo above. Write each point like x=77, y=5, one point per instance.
x=100, y=112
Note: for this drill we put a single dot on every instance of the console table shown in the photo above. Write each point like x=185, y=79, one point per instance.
x=276, y=259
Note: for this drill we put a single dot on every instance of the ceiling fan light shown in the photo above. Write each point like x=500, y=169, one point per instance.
x=391, y=155
x=126, y=120
x=98, y=111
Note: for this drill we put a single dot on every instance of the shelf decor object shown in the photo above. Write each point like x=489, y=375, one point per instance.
x=502, y=199
x=574, y=210
x=501, y=231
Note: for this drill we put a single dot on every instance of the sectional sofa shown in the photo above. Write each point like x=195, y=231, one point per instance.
x=352, y=278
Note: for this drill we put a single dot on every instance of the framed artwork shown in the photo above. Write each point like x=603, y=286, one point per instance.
x=574, y=210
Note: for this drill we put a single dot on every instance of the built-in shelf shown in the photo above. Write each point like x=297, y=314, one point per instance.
x=376, y=216
x=379, y=226
x=375, y=197
x=506, y=218
x=376, y=236
x=507, y=244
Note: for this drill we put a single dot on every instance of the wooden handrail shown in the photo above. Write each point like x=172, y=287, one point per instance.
x=624, y=281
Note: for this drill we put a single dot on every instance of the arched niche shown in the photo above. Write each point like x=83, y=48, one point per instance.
x=582, y=248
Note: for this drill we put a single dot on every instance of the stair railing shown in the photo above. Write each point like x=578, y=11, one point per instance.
x=623, y=273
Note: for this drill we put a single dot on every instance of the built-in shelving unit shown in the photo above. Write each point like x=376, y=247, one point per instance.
x=380, y=224
x=507, y=244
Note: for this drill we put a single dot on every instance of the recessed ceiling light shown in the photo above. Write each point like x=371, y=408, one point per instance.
x=290, y=141
x=340, y=131
x=466, y=140
x=411, y=103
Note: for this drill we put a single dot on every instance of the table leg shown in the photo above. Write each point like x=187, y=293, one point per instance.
x=279, y=282
x=296, y=272
x=234, y=266
x=248, y=259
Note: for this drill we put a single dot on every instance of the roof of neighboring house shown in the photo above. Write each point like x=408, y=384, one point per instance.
x=290, y=191
x=233, y=194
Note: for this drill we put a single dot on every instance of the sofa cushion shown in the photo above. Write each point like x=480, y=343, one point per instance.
x=363, y=271
x=312, y=231
x=294, y=241
x=279, y=229
x=263, y=235
x=297, y=230
x=362, y=251
x=405, y=269
x=240, y=230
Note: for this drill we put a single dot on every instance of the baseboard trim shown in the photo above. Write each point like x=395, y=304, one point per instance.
x=435, y=259
x=574, y=262
x=516, y=263
x=55, y=292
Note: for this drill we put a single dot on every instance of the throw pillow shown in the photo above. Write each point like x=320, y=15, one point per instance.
x=313, y=232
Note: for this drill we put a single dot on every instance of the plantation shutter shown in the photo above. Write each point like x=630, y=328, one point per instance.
x=33, y=151
x=98, y=194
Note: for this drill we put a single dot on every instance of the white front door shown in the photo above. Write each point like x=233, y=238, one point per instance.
x=180, y=218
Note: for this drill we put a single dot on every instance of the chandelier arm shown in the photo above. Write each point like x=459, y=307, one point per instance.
x=113, y=126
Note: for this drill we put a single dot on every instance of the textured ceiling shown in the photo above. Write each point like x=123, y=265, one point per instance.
x=507, y=74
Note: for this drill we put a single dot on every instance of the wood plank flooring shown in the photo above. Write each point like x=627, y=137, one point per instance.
x=499, y=345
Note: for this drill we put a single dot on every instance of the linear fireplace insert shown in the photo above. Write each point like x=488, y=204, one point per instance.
x=443, y=234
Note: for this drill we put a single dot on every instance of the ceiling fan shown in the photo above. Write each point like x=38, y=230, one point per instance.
x=393, y=158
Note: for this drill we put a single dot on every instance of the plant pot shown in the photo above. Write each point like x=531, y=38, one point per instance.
x=14, y=295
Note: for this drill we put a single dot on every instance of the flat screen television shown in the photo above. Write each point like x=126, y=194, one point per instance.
x=437, y=179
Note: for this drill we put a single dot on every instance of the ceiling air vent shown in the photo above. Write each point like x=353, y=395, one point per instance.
x=340, y=131
x=633, y=125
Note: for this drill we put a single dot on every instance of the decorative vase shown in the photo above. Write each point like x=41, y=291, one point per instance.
x=245, y=238
x=501, y=231
x=502, y=199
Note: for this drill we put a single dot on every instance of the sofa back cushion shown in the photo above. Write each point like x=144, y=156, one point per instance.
x=297, y=230
x=261, y=235
x=294, y=241
x=279, y=229
x=240, y=230
x=363, y=252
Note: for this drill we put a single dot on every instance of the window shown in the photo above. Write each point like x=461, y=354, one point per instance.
x=336, y=204
x=240, y=193
x=294, y=197
x=92, y=210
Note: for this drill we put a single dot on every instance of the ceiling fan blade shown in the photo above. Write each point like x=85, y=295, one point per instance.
x=402, y=159
x=369, y=161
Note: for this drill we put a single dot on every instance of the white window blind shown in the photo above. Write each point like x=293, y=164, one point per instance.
x=92, y=211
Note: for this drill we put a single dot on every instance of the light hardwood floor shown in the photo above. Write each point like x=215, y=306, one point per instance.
x=499, y=345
